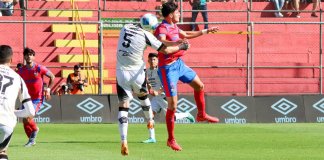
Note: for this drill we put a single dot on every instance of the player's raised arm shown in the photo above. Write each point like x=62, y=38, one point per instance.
x=194, y=34
x=25, y=99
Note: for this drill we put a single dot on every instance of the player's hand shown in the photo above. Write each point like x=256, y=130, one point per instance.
x=155, y=93
x=47, y=95
x=184, y=46
x=212, y=30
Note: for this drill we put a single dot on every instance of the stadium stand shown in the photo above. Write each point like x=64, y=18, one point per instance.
x=219, y=59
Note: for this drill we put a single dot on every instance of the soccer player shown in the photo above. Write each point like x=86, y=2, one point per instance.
x=172, y=69
x=130, y=74
x=33, y=74
x=159, y=102
x=12, y=86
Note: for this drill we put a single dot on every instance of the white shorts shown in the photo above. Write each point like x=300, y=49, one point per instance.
x=159, y=103
x=5, y=136
x=128, y=82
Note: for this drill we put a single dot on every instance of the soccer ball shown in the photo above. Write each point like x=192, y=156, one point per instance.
x=149, y=21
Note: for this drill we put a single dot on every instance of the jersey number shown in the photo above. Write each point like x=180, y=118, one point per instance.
x=4, y=86
x=127, y=41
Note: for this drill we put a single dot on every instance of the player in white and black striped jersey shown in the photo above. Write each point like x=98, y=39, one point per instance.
x=11, y=86
x=130, y=73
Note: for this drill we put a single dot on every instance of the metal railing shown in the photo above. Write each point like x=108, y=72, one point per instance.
x=250, y=27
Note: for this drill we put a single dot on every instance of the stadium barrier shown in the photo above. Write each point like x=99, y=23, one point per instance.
x=230, y=110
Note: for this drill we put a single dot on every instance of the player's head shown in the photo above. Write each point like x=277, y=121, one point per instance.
x=5, y=54
x=77, y=69
x=170, y=11
x=149, y=22
x=29, y=55
x=153, y=60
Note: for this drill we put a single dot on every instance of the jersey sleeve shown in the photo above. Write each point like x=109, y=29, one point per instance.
x=152, y=41
x=44, y=71
x=26, y=102
x=161, y=31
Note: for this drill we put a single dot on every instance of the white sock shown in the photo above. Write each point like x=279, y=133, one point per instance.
x=152, y=131
x=180, y=115
x=123, y=125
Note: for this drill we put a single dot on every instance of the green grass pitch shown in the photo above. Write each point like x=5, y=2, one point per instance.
x=199, y=142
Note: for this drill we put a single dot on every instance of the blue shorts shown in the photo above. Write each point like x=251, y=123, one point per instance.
x=170, y=74
x=37, y=103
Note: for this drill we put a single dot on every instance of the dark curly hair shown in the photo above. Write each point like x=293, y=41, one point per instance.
x=168, y=8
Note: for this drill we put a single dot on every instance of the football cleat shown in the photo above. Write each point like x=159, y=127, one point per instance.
x=190, y=118
x=124, y=149
x=30, y=143
x=174, y=145
x=207, y=118
x=150, y=140
x=32, y=140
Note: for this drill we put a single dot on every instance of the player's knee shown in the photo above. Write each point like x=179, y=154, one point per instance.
x=200, y=87
x=145, y=103
x=145, y=108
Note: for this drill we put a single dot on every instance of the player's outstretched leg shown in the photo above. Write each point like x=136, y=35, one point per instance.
x=202, y=115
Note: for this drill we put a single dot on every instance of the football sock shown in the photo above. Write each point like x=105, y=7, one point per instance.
x=123, y=123
x=200, y=102
x=169, y=119
x=27, y=128
x=152, y=133
x=33, y=125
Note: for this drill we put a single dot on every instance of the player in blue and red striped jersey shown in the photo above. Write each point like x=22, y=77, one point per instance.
x=172, y=69
x=33, y=73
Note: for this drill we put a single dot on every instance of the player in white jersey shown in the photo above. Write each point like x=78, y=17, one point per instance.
x=158, y=101
x=11, y=86
x=130, y=73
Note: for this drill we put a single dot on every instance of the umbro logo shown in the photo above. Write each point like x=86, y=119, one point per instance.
x=44, y=108
x=185, y=106
x=319, y=105
x=90, y=105
x=284, y=106
x=134, y=106
x=233, y=107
